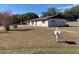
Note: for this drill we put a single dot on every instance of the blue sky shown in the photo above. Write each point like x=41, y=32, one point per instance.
x=36, y=8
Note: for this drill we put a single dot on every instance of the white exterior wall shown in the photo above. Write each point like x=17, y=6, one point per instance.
x=39, y=23
x=49, y=23
x=30, y=23
x=33, y=24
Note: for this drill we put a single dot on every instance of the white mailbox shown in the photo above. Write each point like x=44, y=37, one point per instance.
x=57, y=33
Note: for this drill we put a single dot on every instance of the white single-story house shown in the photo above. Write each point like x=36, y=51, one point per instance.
x=48, y=21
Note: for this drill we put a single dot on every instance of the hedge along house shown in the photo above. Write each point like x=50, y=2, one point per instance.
x=49, y=21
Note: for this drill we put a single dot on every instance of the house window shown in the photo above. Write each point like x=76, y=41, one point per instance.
x=43, y=21
x=28, y=23
x=32, y=22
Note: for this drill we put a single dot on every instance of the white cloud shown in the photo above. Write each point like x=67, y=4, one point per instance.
x=67, y=7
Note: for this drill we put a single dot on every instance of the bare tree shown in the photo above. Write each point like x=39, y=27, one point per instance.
x=6, y=20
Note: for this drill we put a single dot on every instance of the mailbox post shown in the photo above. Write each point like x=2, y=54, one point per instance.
x=78, y=24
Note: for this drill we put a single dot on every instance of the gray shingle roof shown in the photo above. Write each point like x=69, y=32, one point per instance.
x=46, y=18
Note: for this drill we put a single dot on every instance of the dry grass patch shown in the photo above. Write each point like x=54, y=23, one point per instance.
x=27, y=39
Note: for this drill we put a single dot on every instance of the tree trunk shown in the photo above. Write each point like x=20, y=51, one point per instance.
x=15, y=26
x=7, y=28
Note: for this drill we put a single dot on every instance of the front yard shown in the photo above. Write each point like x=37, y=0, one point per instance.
x=27, y=39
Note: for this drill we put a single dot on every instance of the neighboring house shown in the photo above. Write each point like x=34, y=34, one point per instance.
x=73, y=23
x=49, y=21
